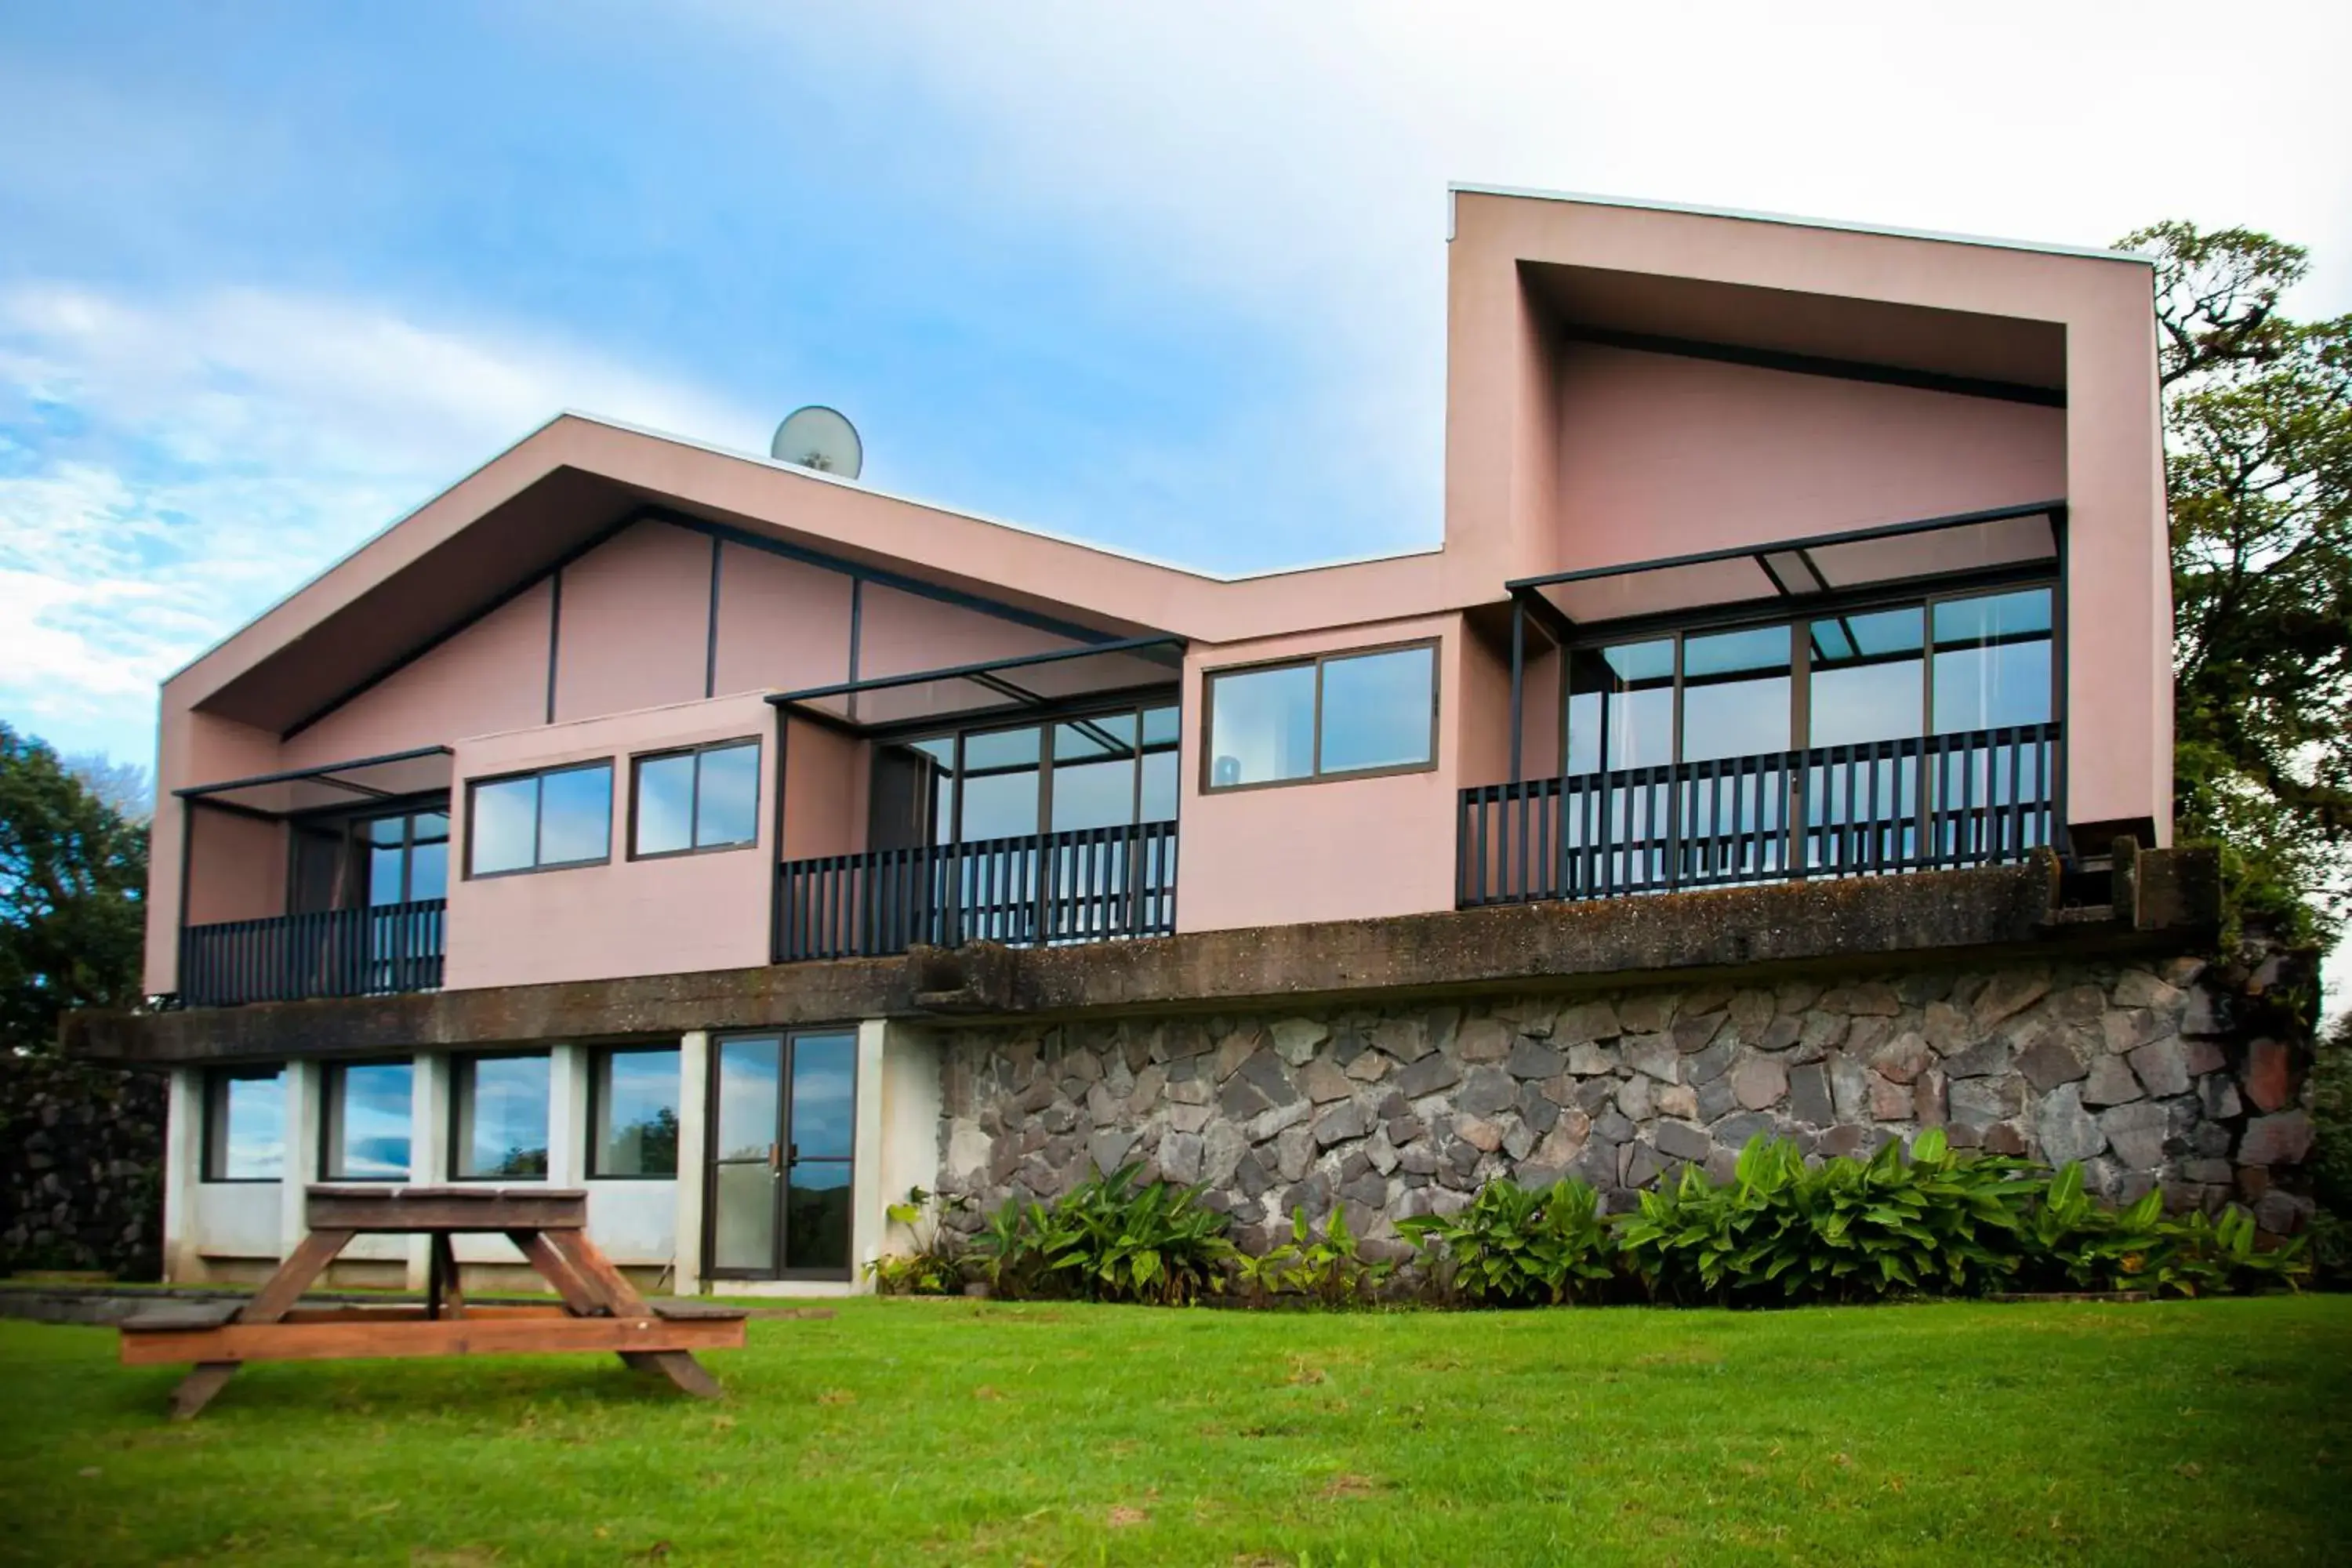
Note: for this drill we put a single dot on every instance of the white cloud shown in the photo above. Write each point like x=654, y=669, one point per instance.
x=177, y=464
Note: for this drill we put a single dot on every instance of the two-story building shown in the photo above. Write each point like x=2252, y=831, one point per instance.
x=1779, y=740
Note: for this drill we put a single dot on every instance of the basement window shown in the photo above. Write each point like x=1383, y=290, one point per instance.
x=244, y=1124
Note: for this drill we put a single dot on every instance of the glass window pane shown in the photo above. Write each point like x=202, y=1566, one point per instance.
x=1161, y=726
x=368, y=1122
x=744, y=1227
x=636, y=1114
x=506, y=821
x=999, y=806
x=825, y=1082
x=1866, y=678
x=385, y=864
x=575, y=815
x=665, y=804
x=1735, y=693
x=749, y=1100
x=1377, y=710
x=1638, y=663
x=248, y=1127
x=1621, y=707
x=431, y=825
x=1094, y=795
x=1992, y=662
x=428, y=871
x=816, y=1216
x=1159, y=775
x=502, y=1117
x=726, y=797
x=387, y=830
x=1262, y=725
x=999, y=749
x=1105, y=735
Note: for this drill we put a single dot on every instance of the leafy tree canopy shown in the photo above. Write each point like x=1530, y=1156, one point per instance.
x=2258, y=442
x=73, y=872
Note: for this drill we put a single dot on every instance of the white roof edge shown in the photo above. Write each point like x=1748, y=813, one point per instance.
x=2095, y=253
x=1366, y=559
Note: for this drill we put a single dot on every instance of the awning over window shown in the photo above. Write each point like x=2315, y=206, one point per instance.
x=359, y=783
x=1800, y=569
x=1011, y=686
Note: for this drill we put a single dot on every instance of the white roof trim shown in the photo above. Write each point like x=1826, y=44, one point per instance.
x=2095, y=253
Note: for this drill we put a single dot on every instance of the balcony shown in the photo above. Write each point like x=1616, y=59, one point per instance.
x=374, y=952
x=1928, y=803
x=1097, y=884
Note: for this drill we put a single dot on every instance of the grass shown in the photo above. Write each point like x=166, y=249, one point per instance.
x=953, y=1432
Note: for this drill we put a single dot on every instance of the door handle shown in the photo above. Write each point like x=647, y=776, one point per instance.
x=775, y=1160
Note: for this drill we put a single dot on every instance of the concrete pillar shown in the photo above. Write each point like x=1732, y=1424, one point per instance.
x=183, y=1121
x=868, y=1197
x=567, y=1116
x=693, y=1156
x=304, y=1081
x=428, y=1147
x=908, y=1152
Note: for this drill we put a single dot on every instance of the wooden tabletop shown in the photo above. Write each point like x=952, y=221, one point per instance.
x=379, y=1209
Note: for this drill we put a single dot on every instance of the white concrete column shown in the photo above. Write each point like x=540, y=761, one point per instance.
x=428, y=1145
x=304, y=1079
x=868, y=1197
x=567, y=1116
x=693, y=1158
x=183, y=1155
x=908, y=1155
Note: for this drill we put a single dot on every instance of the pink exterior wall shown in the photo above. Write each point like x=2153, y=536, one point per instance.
x=194, y=748
x=899, y=633
x=1661, y=455
x=236, y=868
x=633, y=630
x=825, y=792
x=784, y=625
x=492, y=675
x=627, y=916
x=1328, y=849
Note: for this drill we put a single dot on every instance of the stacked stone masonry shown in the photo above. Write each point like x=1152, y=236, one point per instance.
x=2134, y=1070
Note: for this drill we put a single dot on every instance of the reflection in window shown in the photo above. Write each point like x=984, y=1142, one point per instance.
x=1000, y=783
x=562, y=817
x=1992, y=662
x=1866, y=678
x=1094, y=773
x=1341, y=713
x=635, y=1129
x=1735, y=693
x=244, y=1124
x=367, y=1122
x=408, y=858
x=1621, y=706
x=705, y=799
x=502, y=1117
x=1262, y=725
x=1378, y=709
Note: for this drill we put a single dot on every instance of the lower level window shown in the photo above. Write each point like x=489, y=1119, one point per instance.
x=634, y=1116
x=244, y=1124
x=500, y=1104
x=368, y=1121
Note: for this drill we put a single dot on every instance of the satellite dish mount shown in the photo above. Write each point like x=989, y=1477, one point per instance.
x=819, y=437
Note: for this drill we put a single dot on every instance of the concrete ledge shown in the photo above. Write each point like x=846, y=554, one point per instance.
x=1850, y=927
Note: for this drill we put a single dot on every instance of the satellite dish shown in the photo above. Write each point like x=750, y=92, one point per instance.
x=819, y=437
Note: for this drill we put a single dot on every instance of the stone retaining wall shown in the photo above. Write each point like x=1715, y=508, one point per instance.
x=2139, y=1070
x=81, y=1155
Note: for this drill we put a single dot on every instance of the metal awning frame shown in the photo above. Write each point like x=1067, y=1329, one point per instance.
x=988, y=674
x=324, y=773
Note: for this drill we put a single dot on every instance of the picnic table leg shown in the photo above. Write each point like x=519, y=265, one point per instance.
x=272, y=1301
x=612, y=1287
x=445, y=1292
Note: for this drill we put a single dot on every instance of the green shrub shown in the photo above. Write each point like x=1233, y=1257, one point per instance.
x=2200, y=1255
x=1330, y=1269
x=1521, y=1246
x=1845, y=1230
x=1110, y=1238
x=935, y=1267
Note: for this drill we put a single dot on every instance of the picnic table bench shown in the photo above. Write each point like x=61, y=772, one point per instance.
x=601, y=1310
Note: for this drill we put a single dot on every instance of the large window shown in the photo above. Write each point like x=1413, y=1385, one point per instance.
x=498, y=1116
x=244, y=1124
x=1945, y=666
x=408, y=856
x=1100, y=770
x=707, y=799
x=367, y=1124
x=1340, y=714
x=632, y=1097
x=534, y=822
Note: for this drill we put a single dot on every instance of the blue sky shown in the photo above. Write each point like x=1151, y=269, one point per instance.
x=1173, y=279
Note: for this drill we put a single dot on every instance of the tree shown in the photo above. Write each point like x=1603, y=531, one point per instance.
x=73, y=874
x=2257, y=463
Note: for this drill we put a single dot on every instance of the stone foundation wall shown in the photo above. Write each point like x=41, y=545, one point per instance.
x=81, y=1156
x=2140, y=1071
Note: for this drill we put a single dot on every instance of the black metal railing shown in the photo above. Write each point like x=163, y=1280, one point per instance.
x=1094, y=884
x=373, y=951
x=1920, y=804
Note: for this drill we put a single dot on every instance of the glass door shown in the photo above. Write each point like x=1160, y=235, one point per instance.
x=783, y=1125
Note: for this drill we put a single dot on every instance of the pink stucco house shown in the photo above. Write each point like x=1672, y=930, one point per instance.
x=1784, y=717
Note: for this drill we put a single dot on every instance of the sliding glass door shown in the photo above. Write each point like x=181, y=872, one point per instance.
x=782, y=1129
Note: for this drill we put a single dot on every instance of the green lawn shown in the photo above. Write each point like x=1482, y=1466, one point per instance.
x=914, y=1432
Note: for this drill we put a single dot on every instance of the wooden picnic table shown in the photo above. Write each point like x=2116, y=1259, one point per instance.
x=601, y=1310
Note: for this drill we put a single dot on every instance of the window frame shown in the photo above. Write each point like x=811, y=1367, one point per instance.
x=1801, y=664
x=538, y=818
x=1316, y=776
x=461, y=1062
x=599, y=1059
x=331, y=1099
x=638, y=760
x=1045, y=722
x=212, y=1132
